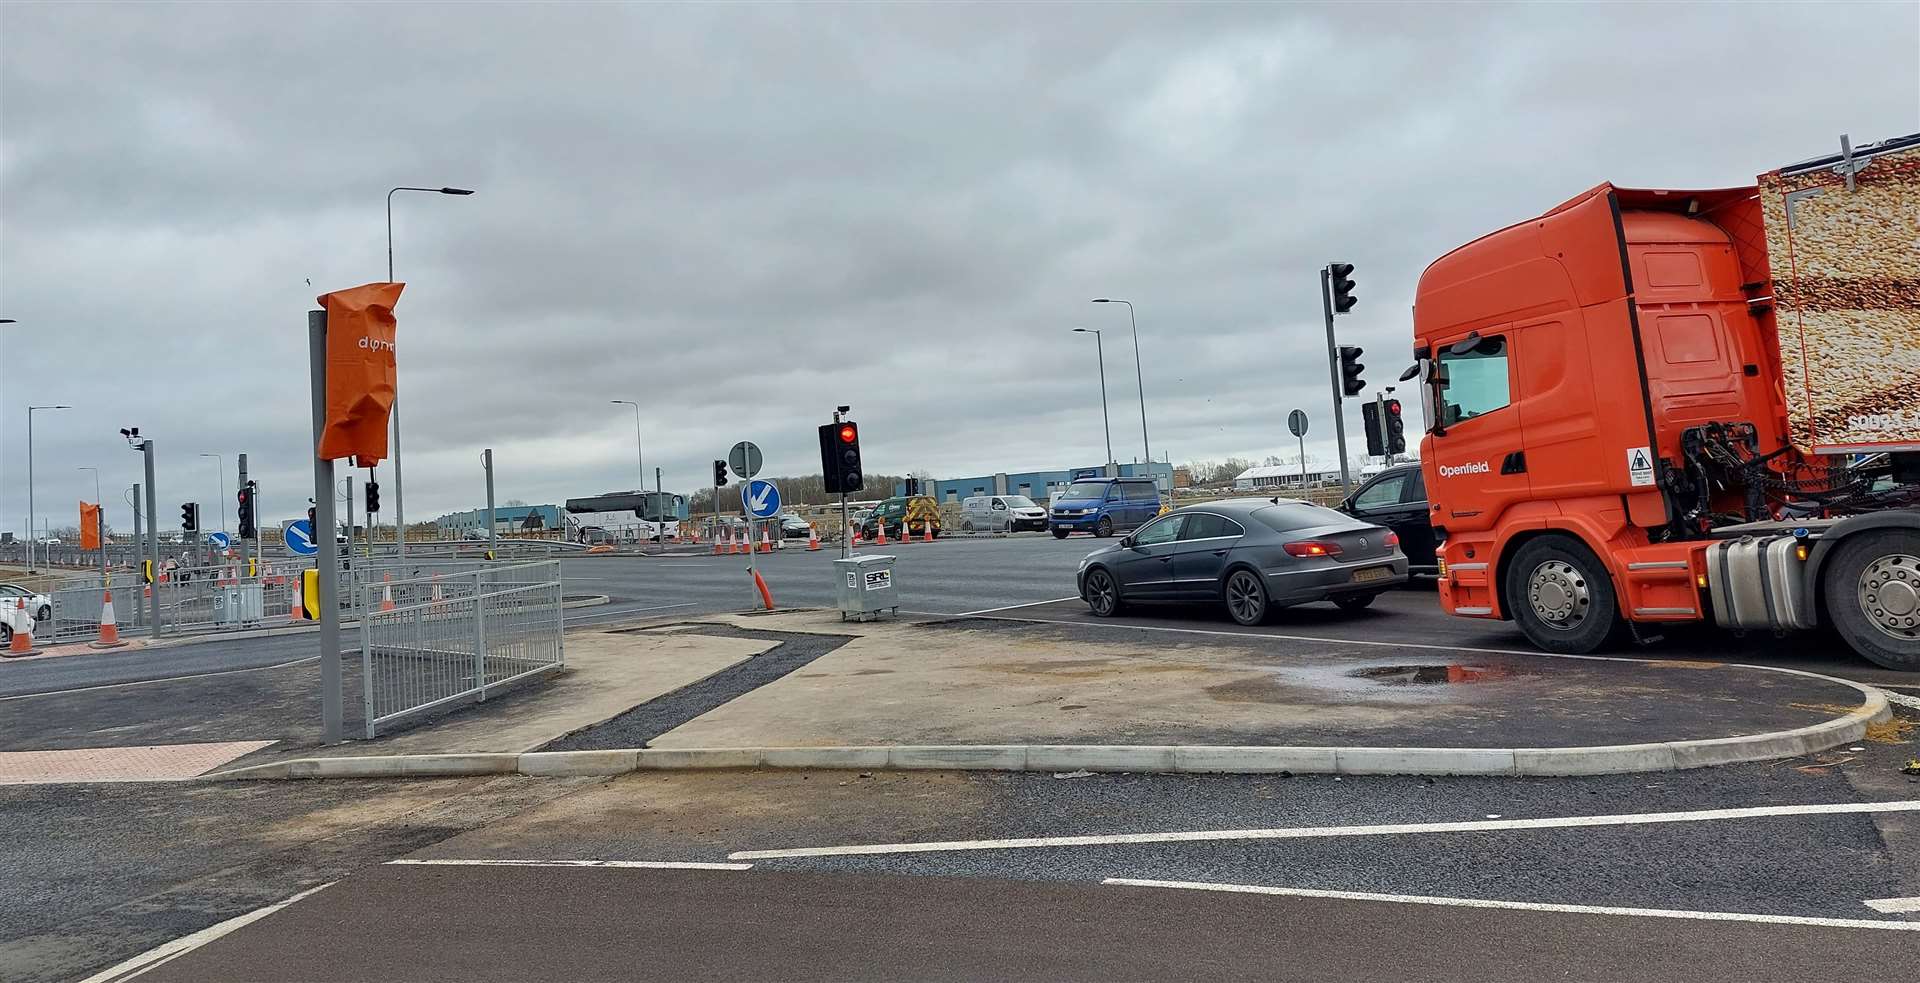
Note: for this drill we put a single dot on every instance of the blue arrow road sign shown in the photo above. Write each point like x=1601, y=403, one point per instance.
x=219, y=540
x=300, y=538
x=760, y=498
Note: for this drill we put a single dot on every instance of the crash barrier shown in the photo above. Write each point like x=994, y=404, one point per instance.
x=458, y=638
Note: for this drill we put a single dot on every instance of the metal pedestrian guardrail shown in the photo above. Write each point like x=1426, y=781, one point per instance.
x=456, y=637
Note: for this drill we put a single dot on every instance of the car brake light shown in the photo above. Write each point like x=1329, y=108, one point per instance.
x=1312, y=547
x=1393, y=539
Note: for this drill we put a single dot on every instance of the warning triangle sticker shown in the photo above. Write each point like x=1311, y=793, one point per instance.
x=1640, y=460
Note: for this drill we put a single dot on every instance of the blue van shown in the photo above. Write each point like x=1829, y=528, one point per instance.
x=1103, y=506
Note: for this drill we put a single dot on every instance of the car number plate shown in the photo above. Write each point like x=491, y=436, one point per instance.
x=1371, y=574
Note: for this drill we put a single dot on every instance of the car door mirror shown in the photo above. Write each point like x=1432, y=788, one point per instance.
x=1126, y=542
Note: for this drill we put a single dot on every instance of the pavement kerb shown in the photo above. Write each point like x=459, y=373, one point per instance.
x=1165, y=759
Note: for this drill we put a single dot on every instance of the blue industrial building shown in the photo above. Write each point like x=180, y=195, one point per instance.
x=1038, y=485
x=511, y=518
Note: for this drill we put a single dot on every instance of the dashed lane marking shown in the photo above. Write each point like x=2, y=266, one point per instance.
x=1571, y=909
x=1315, y=832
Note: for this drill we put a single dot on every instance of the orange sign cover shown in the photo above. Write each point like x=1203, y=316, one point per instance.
x=360, y=372
x=89, y=526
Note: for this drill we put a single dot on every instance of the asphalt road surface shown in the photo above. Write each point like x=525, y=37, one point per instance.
x=525, y=880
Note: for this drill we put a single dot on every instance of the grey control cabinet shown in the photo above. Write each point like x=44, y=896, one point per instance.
x=864, y=586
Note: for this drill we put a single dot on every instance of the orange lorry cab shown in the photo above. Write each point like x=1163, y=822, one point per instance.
x=1614, y=440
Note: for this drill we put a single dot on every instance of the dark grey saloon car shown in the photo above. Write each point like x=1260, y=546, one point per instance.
x=1251, y=554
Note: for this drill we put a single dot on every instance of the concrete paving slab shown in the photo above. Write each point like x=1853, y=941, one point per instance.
x=1012, y=683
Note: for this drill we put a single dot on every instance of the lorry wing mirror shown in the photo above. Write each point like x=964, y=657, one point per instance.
x=1412, y=370
x=1465, y=346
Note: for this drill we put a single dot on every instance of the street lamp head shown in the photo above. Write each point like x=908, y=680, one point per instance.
x=455, y=191
x=1086, y=330
x=1102, y=300
x=8, y=320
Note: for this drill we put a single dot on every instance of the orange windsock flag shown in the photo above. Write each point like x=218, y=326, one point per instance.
x=360, y=372
x=89, y=526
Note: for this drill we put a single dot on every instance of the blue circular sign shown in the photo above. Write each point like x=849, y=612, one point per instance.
x=219, y=540
x=760, y=498
x=300, y=538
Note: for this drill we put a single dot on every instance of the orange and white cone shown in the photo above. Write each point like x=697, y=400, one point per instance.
x=717, y=547
x=927, y=531
x=880, y=537
x=740, y=544
x=23, y=640
x=853, y=534
x=766, y=542
x=813, y=539
x=386, y=594
x=109, y=632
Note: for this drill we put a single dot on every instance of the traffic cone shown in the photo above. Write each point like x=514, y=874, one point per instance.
x=766, y=542
x=740, y=543
x=926, y=529
x=109, y=632
x=22, y=640
x=718, y=547
x=813, y=539
x=386, y=594
x=880, y=530
x=853, y=534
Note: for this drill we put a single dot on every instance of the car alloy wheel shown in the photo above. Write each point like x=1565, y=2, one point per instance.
x=1103, y=595
x=1103, y=528
x=1246, y=597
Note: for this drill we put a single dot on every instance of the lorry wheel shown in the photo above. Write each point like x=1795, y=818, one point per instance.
x=1872, y=587
x=1059, y=533
x=1561, y=596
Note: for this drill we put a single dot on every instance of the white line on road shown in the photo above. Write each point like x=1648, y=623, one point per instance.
x=165, y=679
x=1011, y=607
x=1894, y=906
x=154, y=958
x=1571, y=909
x=642, y=864
x=1312, y=832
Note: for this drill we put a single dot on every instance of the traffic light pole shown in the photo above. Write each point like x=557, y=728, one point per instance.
x=153, y=540
x=1333, y=373
x=328, y=560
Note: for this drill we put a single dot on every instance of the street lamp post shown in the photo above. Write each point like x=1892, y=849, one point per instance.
x=638, y=449
x=30, y=542
x=399, y=493
x=1106, y=424
x=1138, y=377
x=220, y=465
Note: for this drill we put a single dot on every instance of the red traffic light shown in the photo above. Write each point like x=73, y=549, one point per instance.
x=848, y=433
x=1393, y=407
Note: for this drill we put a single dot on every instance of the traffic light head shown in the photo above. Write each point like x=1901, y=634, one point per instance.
x=373, y=497
x=1340, y=279
x=1350, y=368
x=189, y=517
x=840, y=457
x=1396, y=428
x=719, y=474
x=1376, y=434
x=247, y=530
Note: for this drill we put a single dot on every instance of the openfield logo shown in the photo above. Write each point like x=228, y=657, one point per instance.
x=1471, y=467
x=376, y=345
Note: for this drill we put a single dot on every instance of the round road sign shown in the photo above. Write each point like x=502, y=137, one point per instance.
x=744, y=459
x=1297, y=423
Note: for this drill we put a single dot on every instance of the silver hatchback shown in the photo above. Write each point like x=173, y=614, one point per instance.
x=1250, y=554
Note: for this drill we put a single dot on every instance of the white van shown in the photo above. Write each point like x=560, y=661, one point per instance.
x=998, y=513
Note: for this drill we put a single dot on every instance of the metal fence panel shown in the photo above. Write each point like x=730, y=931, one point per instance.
x=458, y=637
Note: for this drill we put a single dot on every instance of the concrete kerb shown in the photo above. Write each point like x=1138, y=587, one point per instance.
x=1166, y=759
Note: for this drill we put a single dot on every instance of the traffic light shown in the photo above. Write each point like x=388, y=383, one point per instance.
x=719, y=474
x=373, y=497
x=1340, y=278
x=1396, y=428
x=1350, y=368
x=247, y=530
x=840, y=457
x=189, y=517
x=313, y=521
x=1376, y=437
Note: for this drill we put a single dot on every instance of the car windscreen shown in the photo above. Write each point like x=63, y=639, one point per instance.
x=1289, y=516
x=1085, y=489
x=1018, y=502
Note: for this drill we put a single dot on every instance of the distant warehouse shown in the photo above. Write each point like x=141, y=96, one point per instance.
x=1037, y=485
x=1288, y=476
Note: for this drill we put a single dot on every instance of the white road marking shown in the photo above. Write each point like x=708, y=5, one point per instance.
x=154, y=958
x=1571, y=909
x=168, y=679
x=1314, y=832
x=642, y=864
x=1894, y=906
x=1011, y=607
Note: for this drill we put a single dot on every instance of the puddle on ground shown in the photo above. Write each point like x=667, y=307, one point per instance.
x=1435, y=674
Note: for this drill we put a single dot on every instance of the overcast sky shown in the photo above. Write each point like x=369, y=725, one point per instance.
x=743, y=215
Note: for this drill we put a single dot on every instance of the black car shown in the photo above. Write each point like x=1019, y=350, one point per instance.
x=1397, y=498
